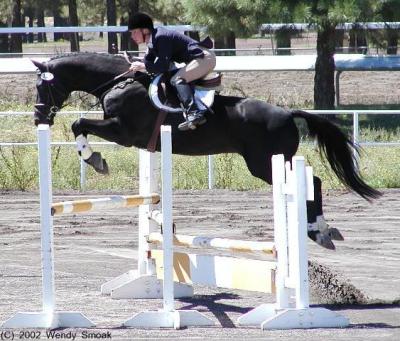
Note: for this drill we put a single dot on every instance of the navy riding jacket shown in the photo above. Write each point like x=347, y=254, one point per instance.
x=166, y=46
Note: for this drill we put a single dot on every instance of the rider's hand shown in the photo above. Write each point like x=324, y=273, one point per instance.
x=137, y=66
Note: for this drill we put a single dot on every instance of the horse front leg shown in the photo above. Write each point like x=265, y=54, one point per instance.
x=318, y=230
x=108, y=129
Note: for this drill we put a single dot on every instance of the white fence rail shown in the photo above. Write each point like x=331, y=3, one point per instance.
x=356, y=135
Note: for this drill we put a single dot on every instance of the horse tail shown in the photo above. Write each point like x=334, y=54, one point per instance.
x=339, y=151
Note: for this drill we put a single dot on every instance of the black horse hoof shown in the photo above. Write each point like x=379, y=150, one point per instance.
x=98, y=163
x=322, y=239
x=334, y=234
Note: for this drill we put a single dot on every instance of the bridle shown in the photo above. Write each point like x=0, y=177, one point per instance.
x=48, y=81
x=53, y=88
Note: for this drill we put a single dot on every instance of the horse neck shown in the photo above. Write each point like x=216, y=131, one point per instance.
x=87, y=75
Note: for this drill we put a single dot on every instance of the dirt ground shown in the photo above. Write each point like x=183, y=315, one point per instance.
x=95, y=247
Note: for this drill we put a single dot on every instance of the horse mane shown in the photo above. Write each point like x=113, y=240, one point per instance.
x=89, y=54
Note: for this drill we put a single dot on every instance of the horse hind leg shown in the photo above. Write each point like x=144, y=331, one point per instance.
x=318, y=230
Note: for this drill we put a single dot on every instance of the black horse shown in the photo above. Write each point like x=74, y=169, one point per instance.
x=252, y=128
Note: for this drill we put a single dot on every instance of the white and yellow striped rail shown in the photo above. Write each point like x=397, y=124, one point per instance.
x=220, y=271
x=219, y=243
x=115, y=201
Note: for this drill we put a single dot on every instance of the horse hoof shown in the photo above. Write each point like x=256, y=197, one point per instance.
x=98, y=163
x=325, y=241
x=335, y=234
x=104, y=169
x=322, y=239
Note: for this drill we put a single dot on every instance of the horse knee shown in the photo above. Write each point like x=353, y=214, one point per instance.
x=76, y=127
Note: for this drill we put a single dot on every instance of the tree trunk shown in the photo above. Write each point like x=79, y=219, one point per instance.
x=392, y=40
x=73, y=21
x=3, y=39
x=29, y=12
x=324, y=79
x=227, y=41
x=282, y=37
x=112, y=21
x=339, y=40
x=57, y=19
x=358, y=41
x=16, y=39
x=102, y=23
x=231, y=42
x=40, y=22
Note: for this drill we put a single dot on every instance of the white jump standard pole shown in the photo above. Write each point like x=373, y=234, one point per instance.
x=292, y=309
x=167, y=317
x=48, y=318
x=143, y=283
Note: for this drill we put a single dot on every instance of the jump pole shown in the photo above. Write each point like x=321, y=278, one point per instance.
x=142, y=283
x=290, y=229
x=167, y=317
x=291, y=189
x=48, y=318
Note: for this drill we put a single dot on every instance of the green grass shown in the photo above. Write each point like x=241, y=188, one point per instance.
x=18, y=165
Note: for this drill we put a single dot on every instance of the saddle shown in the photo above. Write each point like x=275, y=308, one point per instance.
x=164, y=97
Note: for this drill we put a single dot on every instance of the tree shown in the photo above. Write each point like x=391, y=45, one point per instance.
x=389, y=11
x=3, y=38
x=55, y=8
x=362, y=11
x=112, y=21
x=285, y=12
x=73, y=21
x=130, y=6
x=16, y=21
x=30, y=13
x=225, y=20
x=39, y=12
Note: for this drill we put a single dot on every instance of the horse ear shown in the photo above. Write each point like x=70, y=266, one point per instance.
x=39, y=65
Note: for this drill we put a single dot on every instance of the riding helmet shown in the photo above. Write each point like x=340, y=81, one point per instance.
x=140, y=20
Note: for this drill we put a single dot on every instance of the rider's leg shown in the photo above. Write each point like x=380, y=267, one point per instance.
x=196, y=69
x=194, y=116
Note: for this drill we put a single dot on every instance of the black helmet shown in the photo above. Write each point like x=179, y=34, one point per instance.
x=140, y=20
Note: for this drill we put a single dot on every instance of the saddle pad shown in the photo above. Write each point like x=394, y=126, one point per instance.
x=204, y=98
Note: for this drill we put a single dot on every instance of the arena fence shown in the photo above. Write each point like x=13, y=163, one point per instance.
x=211, y=173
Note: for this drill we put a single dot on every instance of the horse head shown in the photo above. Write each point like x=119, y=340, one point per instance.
x=50, y=94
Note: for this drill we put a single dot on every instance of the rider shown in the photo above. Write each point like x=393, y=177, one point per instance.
x=167, y=46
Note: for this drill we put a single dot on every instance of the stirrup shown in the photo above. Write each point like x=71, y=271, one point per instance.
x=192, y=121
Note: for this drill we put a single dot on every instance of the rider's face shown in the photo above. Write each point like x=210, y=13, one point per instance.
x=138, y=36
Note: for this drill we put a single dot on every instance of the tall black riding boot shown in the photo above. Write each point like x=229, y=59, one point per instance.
x=194, y=116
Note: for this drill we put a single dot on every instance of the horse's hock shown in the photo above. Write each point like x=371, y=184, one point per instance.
x=285, y=274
